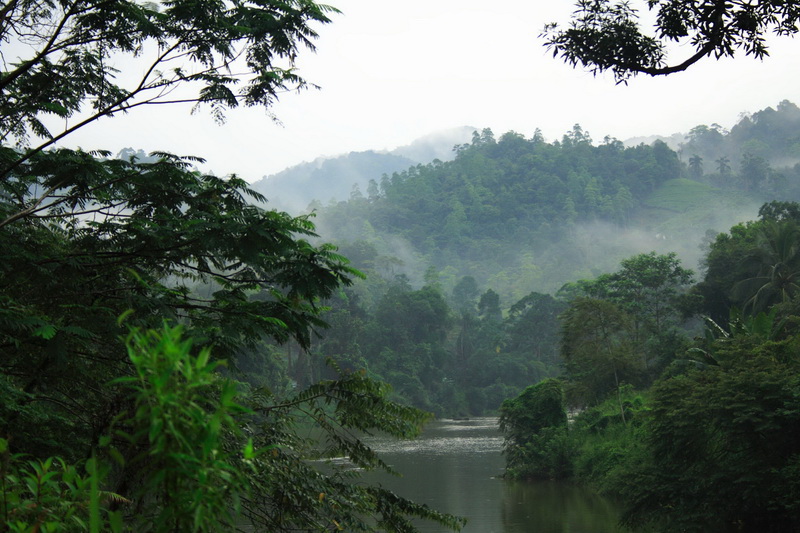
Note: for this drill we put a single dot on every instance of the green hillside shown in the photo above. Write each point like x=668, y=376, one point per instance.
x=683, y=206
x=681, y=195
x=507, y=209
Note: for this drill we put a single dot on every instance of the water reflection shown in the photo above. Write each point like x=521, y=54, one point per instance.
x=455, y=467
x=552, y=507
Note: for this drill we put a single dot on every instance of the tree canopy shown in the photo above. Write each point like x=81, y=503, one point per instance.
x=63, y=59
x=606, y=34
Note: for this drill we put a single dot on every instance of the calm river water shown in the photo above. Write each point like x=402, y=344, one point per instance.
x=455, y=467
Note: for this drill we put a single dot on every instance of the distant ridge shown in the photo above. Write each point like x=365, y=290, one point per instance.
x=674, y=141
x=335, y=178
x=437, y=145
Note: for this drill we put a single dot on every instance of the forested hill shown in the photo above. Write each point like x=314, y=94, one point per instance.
x=766, y=139
x=522, y=214
x=470, y=263
x=513, y=189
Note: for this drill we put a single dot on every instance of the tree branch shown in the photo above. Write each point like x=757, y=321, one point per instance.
x=110, y=109
x=652, y=71
x=46, y=50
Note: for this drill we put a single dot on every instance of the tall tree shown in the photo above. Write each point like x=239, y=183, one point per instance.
x=754, y=171
x=755, y=265
x=696, y=166
x=597, y=347
x=532, y=327
x=723, y=166
x=648, y=287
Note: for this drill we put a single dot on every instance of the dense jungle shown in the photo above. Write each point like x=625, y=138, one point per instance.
x=177, y=356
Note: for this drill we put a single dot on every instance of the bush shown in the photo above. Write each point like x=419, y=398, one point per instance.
x=52, y=496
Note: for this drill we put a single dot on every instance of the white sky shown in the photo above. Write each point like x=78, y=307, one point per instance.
x=392, y=71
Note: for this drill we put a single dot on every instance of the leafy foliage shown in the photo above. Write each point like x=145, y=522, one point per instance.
x=87, y=238
x=176, y=431
x=207, y=50
x=754, y=266
x=738, y=466
x=598, y=349
x=52, y=496
x=290, y=492
x=119, y=235
x=454, y=357
x=539, y=406
x=193, y=458
x=776, y=278
x=605, y=35
x=623, y=327
x=647, y=286
x=92, y=243
x=712, y=445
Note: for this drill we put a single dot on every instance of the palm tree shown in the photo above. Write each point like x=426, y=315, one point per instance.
x=696, y=166
x=778, y=275
x=723, y=166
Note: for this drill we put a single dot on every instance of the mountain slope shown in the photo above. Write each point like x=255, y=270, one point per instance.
x=521, y=214
x=335, y=178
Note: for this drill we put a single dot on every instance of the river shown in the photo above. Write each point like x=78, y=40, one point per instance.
x=455, y=467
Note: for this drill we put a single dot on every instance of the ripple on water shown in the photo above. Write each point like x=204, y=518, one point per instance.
x=477, y=424
x=442, y=446
x=445, y=437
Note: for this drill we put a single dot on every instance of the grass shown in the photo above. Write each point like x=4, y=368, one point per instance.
x=682, y=195
x=683, y=205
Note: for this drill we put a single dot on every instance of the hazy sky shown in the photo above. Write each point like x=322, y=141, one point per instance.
x=391, y=71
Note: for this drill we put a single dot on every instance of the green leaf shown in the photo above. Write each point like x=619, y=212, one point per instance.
x=47, y=331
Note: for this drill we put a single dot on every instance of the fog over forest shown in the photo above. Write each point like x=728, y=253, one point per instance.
x=470, y=260
x=597, y=243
